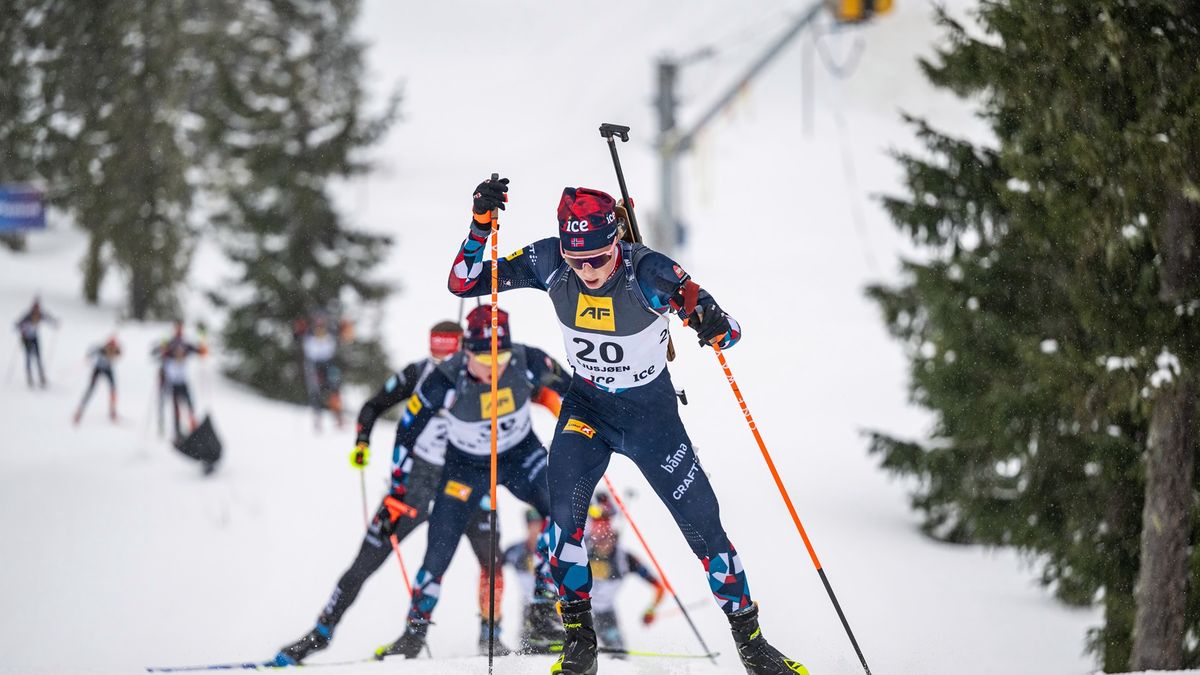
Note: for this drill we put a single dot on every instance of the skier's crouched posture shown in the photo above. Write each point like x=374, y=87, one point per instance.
x=612, y=299
x=461, y=387
x=400, y=514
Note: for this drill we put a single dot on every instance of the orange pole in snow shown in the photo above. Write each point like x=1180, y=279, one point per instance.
x=661, y=575
x=495, y=430
x=737, y=393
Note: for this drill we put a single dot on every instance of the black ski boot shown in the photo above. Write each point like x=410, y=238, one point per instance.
x=759, y=657
x=295, y=653
x=408, y=645
x=579, y=648
x=543, y=633
x=498, y=648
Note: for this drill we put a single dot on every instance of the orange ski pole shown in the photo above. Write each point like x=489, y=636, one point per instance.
x=495, y=433
x=403, y=567
x=408, y=512
x=658, y=568
x=737, y=393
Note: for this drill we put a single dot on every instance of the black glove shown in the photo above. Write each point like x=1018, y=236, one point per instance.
x=490, y=195
x=709, y=321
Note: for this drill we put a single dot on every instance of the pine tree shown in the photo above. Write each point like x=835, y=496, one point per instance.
x=1051, y=326
x=288, y=117
x=107, y=85
x=23, y=122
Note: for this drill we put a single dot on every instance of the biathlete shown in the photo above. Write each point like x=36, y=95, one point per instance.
x=394, y=517
x=524, y=558
x=322, y=376
x=611, y=563
x=28, y=326
x=612, y=299
x=172, y=377
x=103, y=357
x=462, y=388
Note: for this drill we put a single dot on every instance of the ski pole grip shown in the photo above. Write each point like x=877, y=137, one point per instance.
x=495, y=212
x=608, y=130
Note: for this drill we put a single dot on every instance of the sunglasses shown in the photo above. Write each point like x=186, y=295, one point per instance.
x=502, y=357
x=596, y=261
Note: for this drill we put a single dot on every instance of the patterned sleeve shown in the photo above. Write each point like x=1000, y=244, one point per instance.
x=528, y=267
x=662, y=281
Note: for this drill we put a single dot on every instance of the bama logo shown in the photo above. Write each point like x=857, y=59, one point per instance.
x=595, y=313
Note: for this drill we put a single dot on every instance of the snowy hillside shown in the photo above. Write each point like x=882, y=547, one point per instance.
x=117, y=554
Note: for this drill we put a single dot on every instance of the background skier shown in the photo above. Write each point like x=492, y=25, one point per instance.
x=611, y=564
x=322, y=375
x=173, y=354
x=103, y=356
x=28, y=326
x=522, y=557
x=428, y=456
x=462, y=387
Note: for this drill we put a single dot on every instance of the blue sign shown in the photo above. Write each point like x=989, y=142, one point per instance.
x=21, y=208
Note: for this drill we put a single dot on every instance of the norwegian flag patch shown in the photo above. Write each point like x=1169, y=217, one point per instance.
x=576, y=242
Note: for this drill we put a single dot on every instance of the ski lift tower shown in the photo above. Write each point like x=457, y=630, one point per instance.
x=672, y=143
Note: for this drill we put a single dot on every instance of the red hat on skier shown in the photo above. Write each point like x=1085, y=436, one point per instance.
x=587, y=219
x=478, y=337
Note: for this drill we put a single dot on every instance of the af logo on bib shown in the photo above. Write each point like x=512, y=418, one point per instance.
x=507, y=403
x=595, y=313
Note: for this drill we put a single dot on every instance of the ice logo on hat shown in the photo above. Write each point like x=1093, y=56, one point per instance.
x=587, y=219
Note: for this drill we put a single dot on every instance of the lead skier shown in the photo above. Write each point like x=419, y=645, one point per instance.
x=612, y=298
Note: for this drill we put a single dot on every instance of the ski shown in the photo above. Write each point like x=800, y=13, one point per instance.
x=656, y=655
x=253, y=665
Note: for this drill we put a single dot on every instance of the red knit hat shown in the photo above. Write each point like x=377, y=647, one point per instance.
x=478, y=337
x=587, y=219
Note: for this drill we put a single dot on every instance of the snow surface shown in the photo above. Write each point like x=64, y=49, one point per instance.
x=117, y=554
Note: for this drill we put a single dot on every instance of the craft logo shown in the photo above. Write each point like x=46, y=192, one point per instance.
x=457, y=490
x=595, y=313
x=579, y=427
x=507, y=403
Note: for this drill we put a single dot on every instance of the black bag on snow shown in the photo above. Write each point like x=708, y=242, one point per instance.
x=202, y=445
